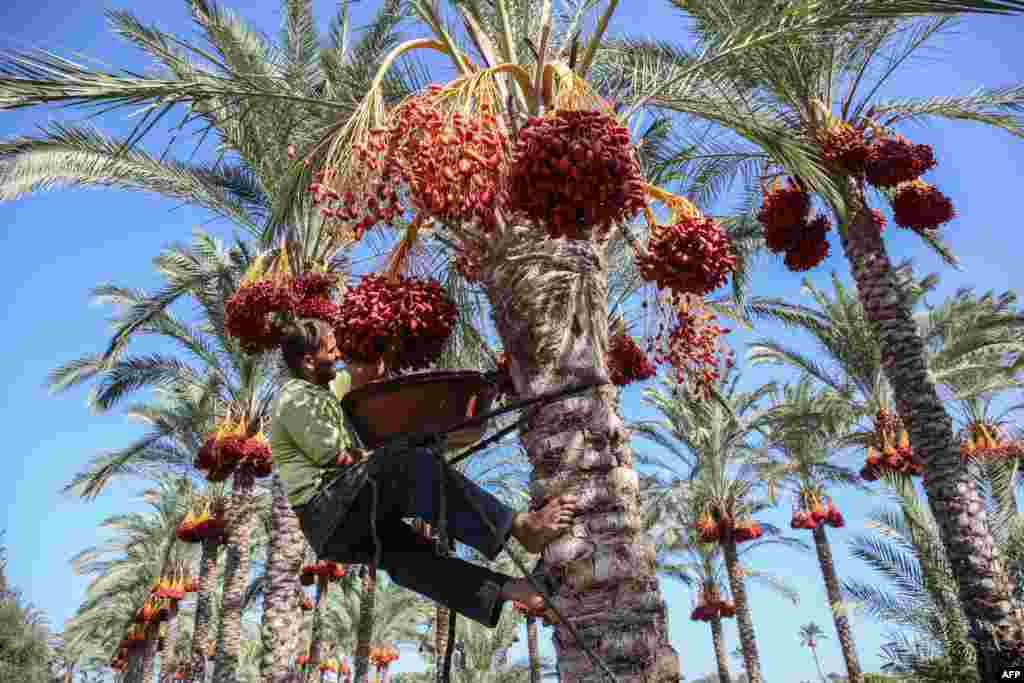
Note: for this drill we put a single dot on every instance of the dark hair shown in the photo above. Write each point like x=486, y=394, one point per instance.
x=300, y=338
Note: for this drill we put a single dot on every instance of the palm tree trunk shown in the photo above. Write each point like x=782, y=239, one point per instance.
x=997, y=626
x=133, y=672
x=204, y=593
x=549, y=301
x=364, y=633
x=744, y=625
x=281, y=614
x=718, y=639
x=843, y=632
x=817, y=663
x=532, y=649
x=315, y=638
x=236, y=578
x=441, y=620
x=149, y=653
x=168, y=665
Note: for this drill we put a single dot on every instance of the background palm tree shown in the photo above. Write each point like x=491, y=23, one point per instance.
x=717, y=440
x=782, y=101
x=806, y=430
x=810, y=635
x=917, y=594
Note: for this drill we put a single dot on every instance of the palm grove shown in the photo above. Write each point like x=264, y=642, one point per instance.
x=537, y=215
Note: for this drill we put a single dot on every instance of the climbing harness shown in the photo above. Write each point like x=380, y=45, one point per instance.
x=435, y=443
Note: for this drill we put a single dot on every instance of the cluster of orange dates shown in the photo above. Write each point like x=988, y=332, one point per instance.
x=165, y=593
x=694, y=255
x=230, y=448
x=988, y=442
x=785, y=214
x=406, y=321
x=382, y=656
x=694, y=348
x=255, y=314
x=327, y=569
x=816, y=514
x=627, y=362
x=893, y=452
x=202, y=526
x=712, y=529
x=711, y=606
x=573, y=172
x=338, y=666
x=890, y=161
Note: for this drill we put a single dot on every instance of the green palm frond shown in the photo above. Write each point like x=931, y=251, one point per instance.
x=78, y=156
x=998, y=107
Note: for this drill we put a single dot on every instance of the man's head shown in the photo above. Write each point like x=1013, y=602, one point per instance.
x=310, y=351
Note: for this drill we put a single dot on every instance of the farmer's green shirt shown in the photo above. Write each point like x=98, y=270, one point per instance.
x=308, y=433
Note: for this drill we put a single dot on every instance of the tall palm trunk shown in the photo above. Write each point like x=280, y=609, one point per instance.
x=549, y=302
x=282, y=620
x=532, y=649
x=996, y=624
x=843, y=632
x=442, y=618
x=168, y=665
x=133, y=672
x=817, y=663
x=236, y=578
x=364, y=633
x=204, y=593
x=149, y=653
x=718, y=639
x=316, y=637
x=744, y=625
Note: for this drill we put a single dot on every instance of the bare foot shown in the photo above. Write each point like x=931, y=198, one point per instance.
x=521, y=591
x=536, y=529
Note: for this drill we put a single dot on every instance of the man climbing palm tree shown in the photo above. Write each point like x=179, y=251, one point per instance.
x=341, y=512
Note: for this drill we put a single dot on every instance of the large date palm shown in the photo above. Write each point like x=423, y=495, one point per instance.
x=784, y=100
x=547, y=296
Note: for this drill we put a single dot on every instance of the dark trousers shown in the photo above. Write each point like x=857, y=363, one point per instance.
x=407, y=486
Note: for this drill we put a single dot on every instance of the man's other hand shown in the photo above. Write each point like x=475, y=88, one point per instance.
x=364, y=373
x=351, y=456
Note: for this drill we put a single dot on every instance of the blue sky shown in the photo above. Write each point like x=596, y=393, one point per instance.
x=58, y=245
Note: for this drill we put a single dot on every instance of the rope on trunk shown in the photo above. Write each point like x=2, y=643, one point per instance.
x=442, y=666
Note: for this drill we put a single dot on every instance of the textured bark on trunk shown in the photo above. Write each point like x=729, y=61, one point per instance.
x=718, y=639
x=315, y=637
x=282, y=617
x=843, y=632
x=744, y=625
x=996, y=624
x=133, y=672
x=149, y=653
x=236, y=578
x=204, y=594
x=364, y=633
x=817, y=664
x=168, y=664
x=441, y=619
x=532, y=649
x=549, y=302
